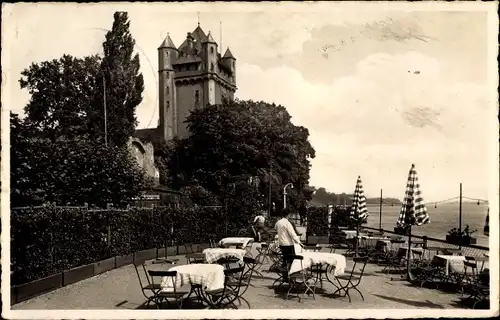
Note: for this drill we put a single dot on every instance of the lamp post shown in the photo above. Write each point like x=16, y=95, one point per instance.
x=284, y=193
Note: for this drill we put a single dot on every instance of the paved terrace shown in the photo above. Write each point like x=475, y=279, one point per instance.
x=119, y=289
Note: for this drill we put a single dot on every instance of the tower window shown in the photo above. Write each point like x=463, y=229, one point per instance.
x=167, y=75
x=233, y=64
x=166, y=54
x=197, y=97
x=168, y=90
x=168, y=105
x=212, y=50
x=212, y=67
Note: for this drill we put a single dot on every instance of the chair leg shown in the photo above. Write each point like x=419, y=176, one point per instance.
x=359, y=293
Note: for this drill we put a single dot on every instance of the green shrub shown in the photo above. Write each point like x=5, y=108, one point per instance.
x=48, y=240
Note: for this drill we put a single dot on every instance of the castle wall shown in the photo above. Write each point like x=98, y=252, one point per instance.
x=144, y=155
x=186, y=99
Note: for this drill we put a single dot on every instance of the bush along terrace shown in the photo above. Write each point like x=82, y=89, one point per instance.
x=48, y=240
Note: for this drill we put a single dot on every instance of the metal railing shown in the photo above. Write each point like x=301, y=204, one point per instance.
x=467, y=250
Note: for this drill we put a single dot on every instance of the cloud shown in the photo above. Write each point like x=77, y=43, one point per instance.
x=394, y=110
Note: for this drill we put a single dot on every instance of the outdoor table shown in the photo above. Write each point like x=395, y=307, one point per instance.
x=312, y=258
x=207, y=276
x=403, y=251
x=213, y=255
x=446, y=262
x=349, y=234
x=371, y=241
x=239, y=242
x=417, y=243
x=453, y=251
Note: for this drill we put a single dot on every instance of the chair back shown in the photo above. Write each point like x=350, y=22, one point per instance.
x=195, y=258
x=358, y=261
x=250, y=264
x=189, y=248
x=142, y=274
x=380, y=246
x=212, y=242
x=233, y=278
x=169, y=274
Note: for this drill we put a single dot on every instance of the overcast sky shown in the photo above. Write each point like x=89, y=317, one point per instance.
x=378, y=87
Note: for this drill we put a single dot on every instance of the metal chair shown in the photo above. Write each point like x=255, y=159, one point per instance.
x=352, y=281
x=166, y=296
x=221, y=298
x=195, y=258
x=301, y=280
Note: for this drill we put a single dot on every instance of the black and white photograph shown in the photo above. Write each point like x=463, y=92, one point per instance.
x=250, y=160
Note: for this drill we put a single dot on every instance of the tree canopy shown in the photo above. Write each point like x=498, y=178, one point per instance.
x=63, y=95
x=236, y=140
x=124, y=82
x=71, y=171
x=58, y=152
x=67, y=94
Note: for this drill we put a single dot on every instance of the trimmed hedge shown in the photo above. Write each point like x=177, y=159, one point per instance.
x=48, y=240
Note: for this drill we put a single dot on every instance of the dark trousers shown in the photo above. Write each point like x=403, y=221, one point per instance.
x=287, y=251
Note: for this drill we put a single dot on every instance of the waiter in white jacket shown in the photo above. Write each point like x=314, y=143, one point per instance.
x=287, y=237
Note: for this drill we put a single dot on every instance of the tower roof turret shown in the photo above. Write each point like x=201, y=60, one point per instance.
x=228, y=54
x=167, y=43
x=209, y=38
x=199, y=34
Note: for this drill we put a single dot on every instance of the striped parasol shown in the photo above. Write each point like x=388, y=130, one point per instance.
x=413, y=211
x=358, y=209
x=359, y=212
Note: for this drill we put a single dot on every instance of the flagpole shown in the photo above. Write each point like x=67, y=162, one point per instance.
x=380, y=215
x=460, y=218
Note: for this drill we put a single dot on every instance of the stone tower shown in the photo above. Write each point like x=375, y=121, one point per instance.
x=191, y=76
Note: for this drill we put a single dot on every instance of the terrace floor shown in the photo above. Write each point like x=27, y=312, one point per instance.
x=119, y=289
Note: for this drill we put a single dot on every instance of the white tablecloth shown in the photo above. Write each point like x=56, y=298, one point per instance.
x=209, y=276
x=349, y=234
x=310, y=258
x=235, y=241
x=214, y=254
x=371, y=241
x=454, y=263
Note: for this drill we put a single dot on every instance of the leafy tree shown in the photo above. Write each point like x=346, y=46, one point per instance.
x=63, y=94
x=124, y=82
x=240, y=139
x=70, y=171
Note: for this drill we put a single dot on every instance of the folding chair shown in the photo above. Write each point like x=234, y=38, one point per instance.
x=221, y=298
x=227, y=261
x=378, y=253
x=149, y=290
x=320, y=271
x=195, y=258
x=301, y=280
x=263, y=253
x=352, y=281
x=422, y=270
x=351, y=245
x=253, y=265
x=339, y=241
x=395, y=261
x=165, y=296
x=476, y=284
